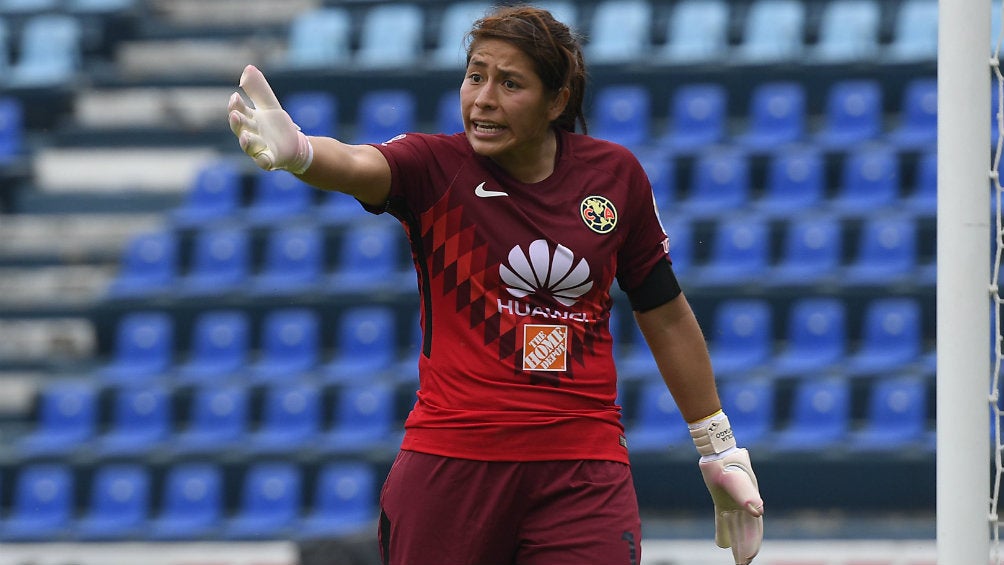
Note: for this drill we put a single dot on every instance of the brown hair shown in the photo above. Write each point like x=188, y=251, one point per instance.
x=553, y=47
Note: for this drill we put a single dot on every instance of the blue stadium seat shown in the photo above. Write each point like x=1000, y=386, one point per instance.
x=622, y=114
x=750, y=404
x=634, y=358
x=291, y=420
x=339, y=209
x=367, y=259
x=811, y=252
x=27, y=7
x=365, y=345
x=661, y=171
x=564, y=11
x=720, y=181
x=891, y=337
x=217, y=423
x=681, y=246
x=886, y=252
x=43, y=504
x=150, y=265
x=99, y=7
x=740, y=253
x=289, y=345
x=455, y=21
x=315, y=111
x=697, y=118
x=897, y=415
x=277, y=197
x=917, y=127
x=915, y=32
x=391, y=36
x=815, y=338
x=776, y=115
x=848, y=31
x=50, y=51
x=12, y=128
x=320, y=38
x=773, y=32
x=220, y=262
x=448, y=113
x=869, y=180
x=142, y=417
x=191, y=507
x=385, y=114
x=795, y=183
x=143, y=348
x=344, y=502
x=742, y=339
x=5, y=51
x=269, y=505
x=119, y=504
x=219, y=349
x=923, y=198
x=215, y=194
x=658, y=424
x=853, y=115
x=820, y=416
x=698, y=32
x=67, y=420
x=293, y=262
x=362, y=420
x=620, y=31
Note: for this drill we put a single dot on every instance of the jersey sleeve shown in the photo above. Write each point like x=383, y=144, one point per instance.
x=646, y=243
x=418, y=174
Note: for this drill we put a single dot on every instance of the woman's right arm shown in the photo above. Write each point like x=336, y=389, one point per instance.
x=268, y=135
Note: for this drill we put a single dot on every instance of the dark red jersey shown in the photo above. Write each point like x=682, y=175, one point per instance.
x=515, y=285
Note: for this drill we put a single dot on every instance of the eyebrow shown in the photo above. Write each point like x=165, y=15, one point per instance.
x=506, y=73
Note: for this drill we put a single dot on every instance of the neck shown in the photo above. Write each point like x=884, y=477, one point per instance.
x=537, y=166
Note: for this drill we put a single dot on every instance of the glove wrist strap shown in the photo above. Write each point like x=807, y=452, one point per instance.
x=712, y=435
x=304, y=155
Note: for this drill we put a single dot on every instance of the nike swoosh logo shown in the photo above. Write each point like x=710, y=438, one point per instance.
x=483, y=192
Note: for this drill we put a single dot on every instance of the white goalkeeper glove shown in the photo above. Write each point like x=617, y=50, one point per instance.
x=265, y=131
x=729, y=477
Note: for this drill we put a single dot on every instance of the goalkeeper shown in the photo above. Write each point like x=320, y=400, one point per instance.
x=514, y=452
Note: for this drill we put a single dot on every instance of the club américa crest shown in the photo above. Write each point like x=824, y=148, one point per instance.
x=598, y=213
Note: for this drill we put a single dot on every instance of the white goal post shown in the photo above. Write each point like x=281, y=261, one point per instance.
x=963, y=263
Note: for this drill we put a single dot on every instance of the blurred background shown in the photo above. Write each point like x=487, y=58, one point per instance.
x=192, y=350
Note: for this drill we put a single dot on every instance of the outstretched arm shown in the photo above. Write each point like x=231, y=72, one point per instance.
x=268, y=135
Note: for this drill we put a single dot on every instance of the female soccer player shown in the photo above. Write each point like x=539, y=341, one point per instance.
x=514, y=453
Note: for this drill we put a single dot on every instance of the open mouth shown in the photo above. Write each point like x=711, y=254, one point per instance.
x=487, y=127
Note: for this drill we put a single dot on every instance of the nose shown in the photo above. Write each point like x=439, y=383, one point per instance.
x=486, y=96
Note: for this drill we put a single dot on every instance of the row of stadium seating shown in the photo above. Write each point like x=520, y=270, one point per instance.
x=239, y=421
x=367, y=343
x=631, y=31
x=395, y=35
x=188, y=501
x=185, y=498
x=372, y=257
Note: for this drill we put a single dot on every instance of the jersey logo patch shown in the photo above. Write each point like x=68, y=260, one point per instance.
x=545, y=347
x=598, y=213
x=539, y=270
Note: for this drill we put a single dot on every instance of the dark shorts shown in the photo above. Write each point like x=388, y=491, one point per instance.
x=444, y=511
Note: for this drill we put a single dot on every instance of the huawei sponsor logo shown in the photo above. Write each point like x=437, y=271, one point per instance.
x=543, y=271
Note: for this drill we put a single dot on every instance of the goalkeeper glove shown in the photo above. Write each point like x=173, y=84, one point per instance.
x=729, y=477
x=265, y=131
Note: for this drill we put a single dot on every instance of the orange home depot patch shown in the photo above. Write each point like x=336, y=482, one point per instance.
x=545, y=347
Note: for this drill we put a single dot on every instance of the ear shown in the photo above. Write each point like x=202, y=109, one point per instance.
x=558, y=103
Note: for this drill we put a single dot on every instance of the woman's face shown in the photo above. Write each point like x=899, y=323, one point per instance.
x=506, y=109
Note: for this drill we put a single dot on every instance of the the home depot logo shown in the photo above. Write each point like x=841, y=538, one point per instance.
x=545, y=347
